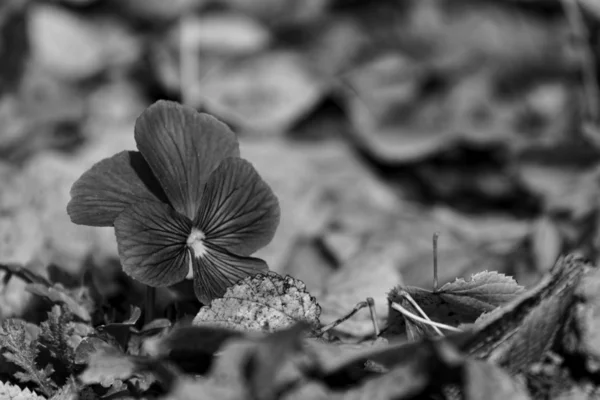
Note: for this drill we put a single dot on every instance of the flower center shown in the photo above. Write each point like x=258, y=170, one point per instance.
x=194, y=242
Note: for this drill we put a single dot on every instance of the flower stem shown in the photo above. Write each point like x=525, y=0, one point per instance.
x=149, y=305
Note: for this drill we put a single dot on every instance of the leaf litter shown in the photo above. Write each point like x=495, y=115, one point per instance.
x=465, y=125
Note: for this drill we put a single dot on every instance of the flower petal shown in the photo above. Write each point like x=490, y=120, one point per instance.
x=110, y=186
x=217, y=269
x=239, y=211
x=151, y=238
x=183, y=146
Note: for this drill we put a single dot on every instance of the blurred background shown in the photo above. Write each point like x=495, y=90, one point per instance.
x=376, y=122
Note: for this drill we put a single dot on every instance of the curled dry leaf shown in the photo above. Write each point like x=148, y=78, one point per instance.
x=262, y=303
x=519, y=333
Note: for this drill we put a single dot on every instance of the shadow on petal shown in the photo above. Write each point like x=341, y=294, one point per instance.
x=238, y=211
x=182, y=147
x=151, y=238
x=218, y=269
x=110, y=186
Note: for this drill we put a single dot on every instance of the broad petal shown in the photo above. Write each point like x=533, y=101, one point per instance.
x=151, y=238
x=218, y=269
x=183, y=147
x=238, y=211
x=110, y=186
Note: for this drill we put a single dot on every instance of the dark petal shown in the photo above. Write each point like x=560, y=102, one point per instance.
x=110, y=186
x=238, y=211
x=218, y=269
x=151, y=238
x=183, y=146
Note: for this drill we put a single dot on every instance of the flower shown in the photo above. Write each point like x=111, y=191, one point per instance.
x=184, y=206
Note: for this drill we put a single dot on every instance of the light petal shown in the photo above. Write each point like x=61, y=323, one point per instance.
x=151, y=238
x=183, y=147
x=110, y=186
x=238, y=211
x=217, y=269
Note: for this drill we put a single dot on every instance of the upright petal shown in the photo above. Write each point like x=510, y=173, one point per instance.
x=183, y=147
x=217, y=269
x=110, y=186
x=151, y=238
x=238, y=211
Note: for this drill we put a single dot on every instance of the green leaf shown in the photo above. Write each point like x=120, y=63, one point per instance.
x=55, y=336
x=20, y=349
x=14, y=392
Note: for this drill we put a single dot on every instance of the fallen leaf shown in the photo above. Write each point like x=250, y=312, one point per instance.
x=65, y=43
x=463, y=301
x=263, y=303
x=266, y=93
x=519, y=333
x=193, y=348
x=225, y=33
x=275, y=363
x=368, y=274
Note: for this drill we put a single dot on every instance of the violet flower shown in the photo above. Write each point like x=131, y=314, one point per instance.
x=184, y=206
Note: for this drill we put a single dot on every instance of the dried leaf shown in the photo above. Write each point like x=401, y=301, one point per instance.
x=518, y=334
x=263, y=303
x=266, y=93
x=368, y=274
x=13, y=392
x=225, y=33
x=464, y=301
x=57, y=294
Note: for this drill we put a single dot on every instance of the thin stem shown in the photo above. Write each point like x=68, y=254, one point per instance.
x=407, y=313
x=373, y=311
x=435, y=261
x=412, y=301
x=149, y=304
x=338, y=321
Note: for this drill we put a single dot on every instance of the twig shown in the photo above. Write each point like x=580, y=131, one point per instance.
x=407, y=313
x=187, y=62
x=338, y=321
x=435, y=261
x=373, y=311
x=588, y=64
x=412, y=301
